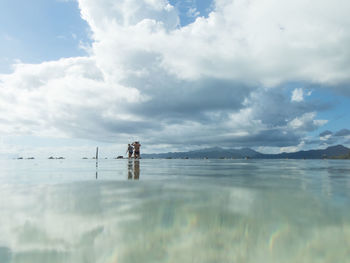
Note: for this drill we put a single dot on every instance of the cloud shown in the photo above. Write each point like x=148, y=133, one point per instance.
x=342, y=133
x=325, y=133
x=218, y=80
x=326, y=136
x=193, y=12
x=330, y=138
x=243, y=40
x=297, y=95
x=306, y=122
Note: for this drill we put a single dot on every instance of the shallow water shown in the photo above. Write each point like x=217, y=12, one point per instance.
x=174, y=211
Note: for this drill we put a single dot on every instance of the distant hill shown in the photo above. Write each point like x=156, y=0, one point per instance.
x=212, y=153
x=330, y=152
x=217, y=152
x=346, y=156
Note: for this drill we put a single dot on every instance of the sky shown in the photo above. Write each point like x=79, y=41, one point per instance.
x=176, y=75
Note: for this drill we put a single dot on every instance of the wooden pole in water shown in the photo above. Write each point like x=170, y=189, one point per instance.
x=96, y=157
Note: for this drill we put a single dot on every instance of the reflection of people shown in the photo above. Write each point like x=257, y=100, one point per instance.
x=133, y=169
x=136, y=170
x=130, y=172
x=137, y=146
x=130, y=150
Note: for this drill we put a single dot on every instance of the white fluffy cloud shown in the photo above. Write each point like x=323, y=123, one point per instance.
x=218, y=80
x=298, y=95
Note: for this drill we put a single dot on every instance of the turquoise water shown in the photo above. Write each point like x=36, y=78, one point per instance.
x=174, y=211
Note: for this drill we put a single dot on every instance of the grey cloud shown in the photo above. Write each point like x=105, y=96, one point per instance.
x=325, y=133
x=90, y=124
x=193, y=100
x=311, y=142
x=274, y=137
x=343, y=132
x=275, y=109
x=343, y=90
x=209, y=103
x=174, y=98
x=331, y=141
x=176, y=111
x=271, y=137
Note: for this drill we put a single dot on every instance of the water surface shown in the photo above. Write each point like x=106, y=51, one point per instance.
x=174, y=211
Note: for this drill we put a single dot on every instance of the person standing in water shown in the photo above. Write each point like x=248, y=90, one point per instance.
x=137, y=146
x=130, y=150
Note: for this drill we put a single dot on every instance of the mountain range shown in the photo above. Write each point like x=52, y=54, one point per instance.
x=217, y=152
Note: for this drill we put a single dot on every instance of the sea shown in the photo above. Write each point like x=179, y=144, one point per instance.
x=157, y=210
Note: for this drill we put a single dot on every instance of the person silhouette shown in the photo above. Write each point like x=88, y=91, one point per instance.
x=137, y=146
x=130, y=150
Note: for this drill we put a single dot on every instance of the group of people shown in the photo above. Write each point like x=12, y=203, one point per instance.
x=134, y=148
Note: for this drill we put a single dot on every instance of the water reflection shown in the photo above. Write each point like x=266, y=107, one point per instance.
x=134, y=169
x=5, y=255
x=198, y=211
